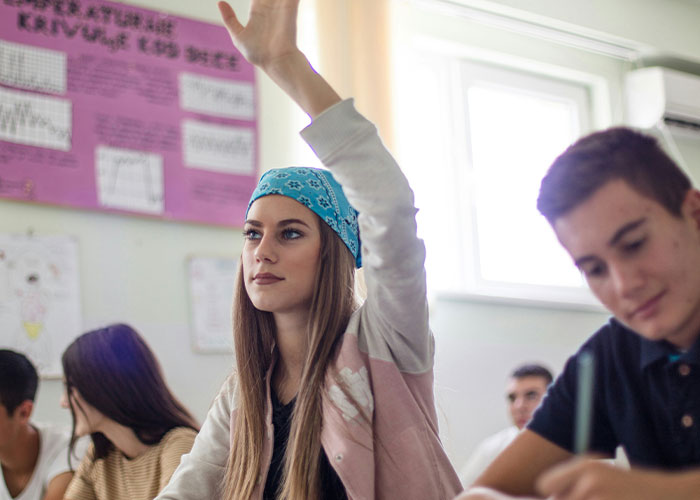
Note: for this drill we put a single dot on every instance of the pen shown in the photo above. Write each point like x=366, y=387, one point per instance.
x=584, y=402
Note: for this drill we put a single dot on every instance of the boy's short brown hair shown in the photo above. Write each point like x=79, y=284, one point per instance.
x=612, y=154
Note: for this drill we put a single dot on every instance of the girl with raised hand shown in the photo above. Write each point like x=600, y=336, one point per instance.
x=115, y=391
x=329, y=399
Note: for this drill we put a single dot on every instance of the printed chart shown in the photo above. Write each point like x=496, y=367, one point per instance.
x=130, y=180
x=35, y=120
x=218, y=148
x=218, y=97
x=32, y=68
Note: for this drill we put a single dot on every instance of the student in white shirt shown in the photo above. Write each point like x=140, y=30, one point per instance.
x=34, y=458
x=526, y=386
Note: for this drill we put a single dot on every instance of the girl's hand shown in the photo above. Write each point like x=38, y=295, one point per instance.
x=269, y=41
x=269, y=38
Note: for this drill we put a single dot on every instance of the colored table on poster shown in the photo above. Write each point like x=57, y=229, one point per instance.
x=108, y=106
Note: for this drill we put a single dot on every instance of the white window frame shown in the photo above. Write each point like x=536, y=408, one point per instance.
x=450, y=64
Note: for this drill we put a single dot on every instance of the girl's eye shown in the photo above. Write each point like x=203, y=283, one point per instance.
x=291, y=234
x=251, y=234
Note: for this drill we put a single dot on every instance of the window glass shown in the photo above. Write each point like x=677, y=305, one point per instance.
x=475, y=140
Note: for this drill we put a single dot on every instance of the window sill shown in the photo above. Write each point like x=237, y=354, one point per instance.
x=539, y=301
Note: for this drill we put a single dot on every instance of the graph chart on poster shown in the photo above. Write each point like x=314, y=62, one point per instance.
x=35, y=120
x=111, y=107
x=32, y=68
x=131, y=180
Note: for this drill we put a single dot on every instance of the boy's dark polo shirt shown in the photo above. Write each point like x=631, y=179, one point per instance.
x=646, y=398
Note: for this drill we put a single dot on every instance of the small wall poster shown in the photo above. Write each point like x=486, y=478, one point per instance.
x=40, y=309
x=211, y=281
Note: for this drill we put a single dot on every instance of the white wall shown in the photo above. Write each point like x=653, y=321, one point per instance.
x=662, y=26
x=478, y=345
x=132, y=269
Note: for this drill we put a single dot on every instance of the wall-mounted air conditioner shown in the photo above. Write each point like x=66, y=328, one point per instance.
x=656, y=94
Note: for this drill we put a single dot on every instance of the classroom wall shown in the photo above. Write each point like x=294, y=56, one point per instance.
x=478, y=345
x=133, y=269
x=661, y=26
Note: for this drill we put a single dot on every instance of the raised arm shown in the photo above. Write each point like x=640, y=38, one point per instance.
x=269, y=41
x=392, y=255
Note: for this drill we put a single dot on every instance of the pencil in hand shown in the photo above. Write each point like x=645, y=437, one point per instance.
x=584, y=402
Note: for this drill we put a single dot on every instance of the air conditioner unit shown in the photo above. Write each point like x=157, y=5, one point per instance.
x=658, y=94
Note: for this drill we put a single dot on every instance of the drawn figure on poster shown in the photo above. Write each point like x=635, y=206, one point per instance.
x=39, y=297
x=30, y=274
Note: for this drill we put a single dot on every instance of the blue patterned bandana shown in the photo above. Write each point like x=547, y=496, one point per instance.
x=318, y=190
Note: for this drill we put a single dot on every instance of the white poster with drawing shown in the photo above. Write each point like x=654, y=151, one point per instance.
x=211, y=281
x=40, y=311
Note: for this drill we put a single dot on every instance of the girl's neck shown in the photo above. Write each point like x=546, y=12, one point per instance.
x=124, y=439
x=292, y=338
x=292, y=344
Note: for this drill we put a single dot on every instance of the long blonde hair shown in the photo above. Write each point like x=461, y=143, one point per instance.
x=332, y=304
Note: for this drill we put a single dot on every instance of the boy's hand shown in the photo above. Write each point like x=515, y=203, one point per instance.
x=585, y=478
x=481, y=493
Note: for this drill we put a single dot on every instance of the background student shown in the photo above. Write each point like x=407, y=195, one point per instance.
x=328, y=400
x=34, y=457
x=526, y=386
x=630, y=220
x=116, y=394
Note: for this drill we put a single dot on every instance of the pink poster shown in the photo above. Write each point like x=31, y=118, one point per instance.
x=111, y=107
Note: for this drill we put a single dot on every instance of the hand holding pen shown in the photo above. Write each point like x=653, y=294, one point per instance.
x=587, y=476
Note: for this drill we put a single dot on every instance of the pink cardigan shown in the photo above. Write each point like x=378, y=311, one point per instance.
x=386, y=355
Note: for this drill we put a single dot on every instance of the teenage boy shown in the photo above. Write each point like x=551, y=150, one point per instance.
x=630, y=220
x=34, y=458
x=526, y=386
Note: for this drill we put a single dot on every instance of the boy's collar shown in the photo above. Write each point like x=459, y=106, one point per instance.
x=653, y=351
